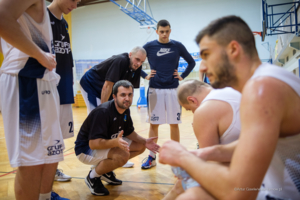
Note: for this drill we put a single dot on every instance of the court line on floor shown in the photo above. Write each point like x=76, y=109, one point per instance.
x=7, y=173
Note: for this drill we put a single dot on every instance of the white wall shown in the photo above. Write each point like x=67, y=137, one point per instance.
x=100, y=31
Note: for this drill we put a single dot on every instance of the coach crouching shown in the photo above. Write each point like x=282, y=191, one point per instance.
x=107, y=139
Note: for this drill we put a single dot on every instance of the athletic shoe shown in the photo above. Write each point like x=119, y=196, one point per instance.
x=111, y=179
x=95, y=185
x=128, y=164
x=60, y=176
x=149, y=163
x=55, y=196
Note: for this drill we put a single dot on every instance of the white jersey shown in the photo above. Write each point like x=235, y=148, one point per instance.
x=29, y=100
x=233, y=98
x=16, y=60
x=282, y=179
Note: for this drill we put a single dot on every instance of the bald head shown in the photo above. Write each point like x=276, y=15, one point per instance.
x=189, y=88
x=138, y=49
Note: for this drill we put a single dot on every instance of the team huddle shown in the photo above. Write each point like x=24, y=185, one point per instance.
x=246, y=120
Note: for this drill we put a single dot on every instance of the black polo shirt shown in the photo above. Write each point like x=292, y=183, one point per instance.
x=103, y=122
x=112, y=69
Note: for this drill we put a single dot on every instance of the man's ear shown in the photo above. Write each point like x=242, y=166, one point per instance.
x=191, y=99
x=233, y=50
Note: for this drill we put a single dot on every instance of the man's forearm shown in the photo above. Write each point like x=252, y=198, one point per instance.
x=214, y=177
x=103, y=144
x=218, y=153
x=135, y=137
x=11, y=32
x=105, y=94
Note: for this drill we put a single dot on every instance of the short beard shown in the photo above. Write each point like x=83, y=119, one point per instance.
x=120, y=105
x=225, y=74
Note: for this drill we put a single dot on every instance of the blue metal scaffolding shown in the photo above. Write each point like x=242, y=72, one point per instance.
x=272, y=23
x=137, y=10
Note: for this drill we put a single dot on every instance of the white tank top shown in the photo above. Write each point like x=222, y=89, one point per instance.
x=233, y=98
x=282, y=179
x=41, y=34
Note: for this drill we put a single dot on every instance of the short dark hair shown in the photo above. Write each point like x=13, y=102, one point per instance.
x=163, y=23
x=124, y=83
x=229, y=28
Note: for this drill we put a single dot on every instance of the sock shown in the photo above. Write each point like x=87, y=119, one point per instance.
x=94, y=174
x=152, y=154
x=45, y=196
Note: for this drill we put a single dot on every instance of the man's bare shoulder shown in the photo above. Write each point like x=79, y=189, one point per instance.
x=212, y=109
x=263, y=88
x=263, y=101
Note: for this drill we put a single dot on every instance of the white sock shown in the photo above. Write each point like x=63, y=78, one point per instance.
x=94, y=174
x=152, y=154
x=45, y=196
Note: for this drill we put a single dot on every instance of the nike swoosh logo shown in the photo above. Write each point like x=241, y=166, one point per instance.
x=162, y=54
x=91, y=183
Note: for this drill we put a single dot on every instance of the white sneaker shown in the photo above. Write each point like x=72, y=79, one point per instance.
x=128, y=164
x=60, y=176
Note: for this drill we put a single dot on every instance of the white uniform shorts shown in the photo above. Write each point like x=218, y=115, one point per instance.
x=89, y=106
x=163, y=106
x=31, y=120
x=94, y=157
x=66, y=121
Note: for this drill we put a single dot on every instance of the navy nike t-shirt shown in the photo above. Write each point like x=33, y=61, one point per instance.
x=164, y=58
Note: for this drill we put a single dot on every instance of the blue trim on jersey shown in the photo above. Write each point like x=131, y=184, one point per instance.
x=32, y=69
x=164, y=58
x=29, y=116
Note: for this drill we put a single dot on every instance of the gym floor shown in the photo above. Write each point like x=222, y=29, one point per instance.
x=137, y=184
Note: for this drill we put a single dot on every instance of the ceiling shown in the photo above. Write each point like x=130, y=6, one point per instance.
x=88, y=2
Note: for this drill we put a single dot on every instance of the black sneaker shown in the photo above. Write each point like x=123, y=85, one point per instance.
x=111, y=179
x=95, y=185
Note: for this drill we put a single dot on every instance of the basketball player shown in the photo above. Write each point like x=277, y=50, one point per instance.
x=163, y=56
x=216, y=118
x=29, y=97
x=268, y=149
x=97, y=83
x=64, y=68
x=107, y=139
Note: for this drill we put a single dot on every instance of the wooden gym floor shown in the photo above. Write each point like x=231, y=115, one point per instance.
x=137, y=184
